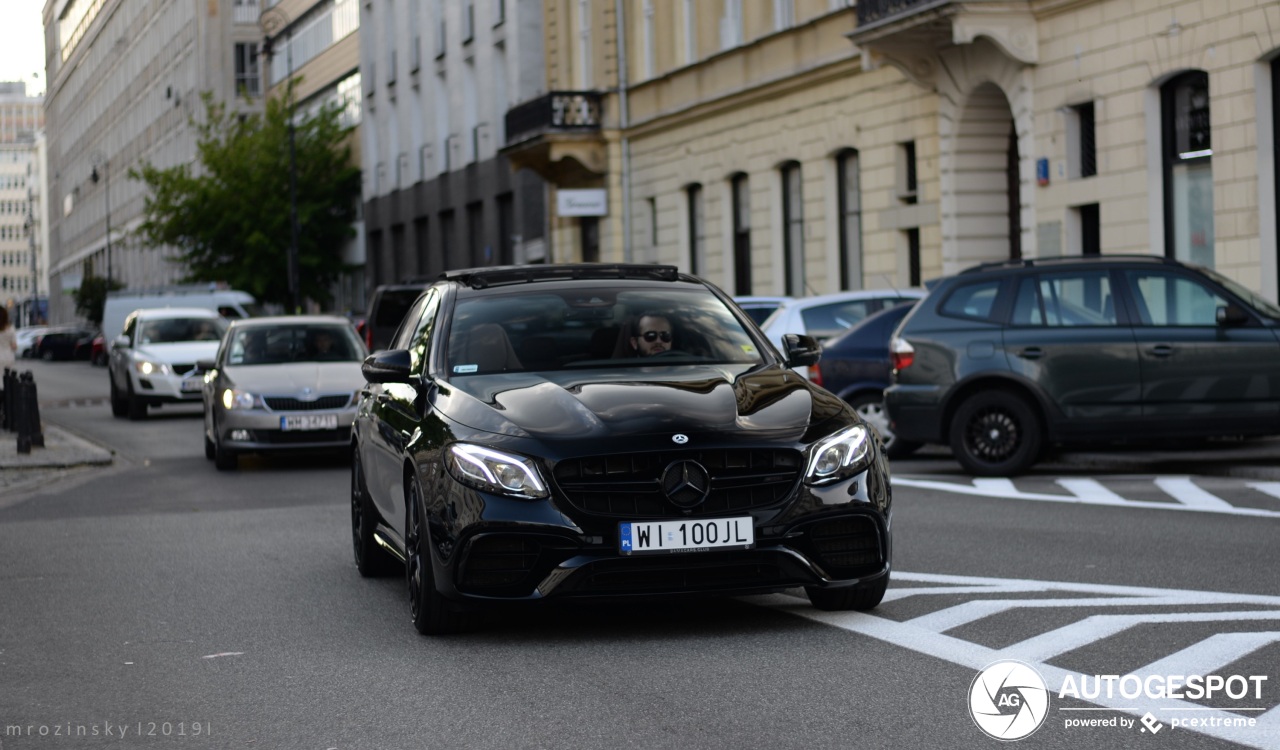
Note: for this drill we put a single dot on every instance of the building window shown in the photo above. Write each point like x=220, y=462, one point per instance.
x=697, y=234
x=913, y=256
x=1188, y=169
x=1087, y=144
x=1090, y=229
x=849, y=231
x=741, y=196
x=690, y=33
x=647, y=43
x=731, y=25
x=907, y=172
x=469, y=22
x=793, y=229
x=248, y=79
x=784, y=14
x=653, y=226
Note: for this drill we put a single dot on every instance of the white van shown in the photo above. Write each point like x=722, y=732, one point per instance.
x=230, y=303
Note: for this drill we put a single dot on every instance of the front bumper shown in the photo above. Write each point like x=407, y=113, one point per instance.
x=159, y=388
x=258, y=431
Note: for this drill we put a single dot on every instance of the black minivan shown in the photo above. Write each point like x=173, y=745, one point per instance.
x=1006, y=359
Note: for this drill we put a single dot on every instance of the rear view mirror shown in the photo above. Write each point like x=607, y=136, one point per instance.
x=390, y=366
x=801, y=351
x=1232, y=315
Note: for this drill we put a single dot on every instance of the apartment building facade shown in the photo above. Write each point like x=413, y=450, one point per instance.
x=21, y=172
x=439, y=77
x=124, y=77
x=804, y=146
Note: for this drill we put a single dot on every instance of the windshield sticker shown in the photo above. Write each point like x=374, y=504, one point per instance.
x=748, y=348
x=465, y=368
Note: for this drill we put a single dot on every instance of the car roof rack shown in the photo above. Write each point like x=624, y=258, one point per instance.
x=480, y=278
x=1032, y=262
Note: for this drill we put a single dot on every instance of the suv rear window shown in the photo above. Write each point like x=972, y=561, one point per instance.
x=972, y=300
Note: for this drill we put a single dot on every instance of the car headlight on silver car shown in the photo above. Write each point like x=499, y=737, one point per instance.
x=494, y=471
x=146, y=368
x=840, y=456
x=236, y=399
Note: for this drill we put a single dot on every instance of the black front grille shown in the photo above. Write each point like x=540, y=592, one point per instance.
x=278, y=403
x=845, y=545
x=498, y=561
x=630, y=484
x=295, y=437
x=182, y=369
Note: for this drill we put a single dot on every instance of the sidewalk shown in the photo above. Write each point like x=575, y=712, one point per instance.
x=62, y=450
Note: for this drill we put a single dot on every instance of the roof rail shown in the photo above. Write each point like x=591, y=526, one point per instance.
x=479, y=278
x=1031, y=262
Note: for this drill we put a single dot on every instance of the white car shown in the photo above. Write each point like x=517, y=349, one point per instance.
x=27, y=339
x=285, y=383
x=826, y=315
x=153, y=361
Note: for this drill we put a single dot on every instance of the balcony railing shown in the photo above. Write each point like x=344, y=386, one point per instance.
x=874, y=11
x=562, y=111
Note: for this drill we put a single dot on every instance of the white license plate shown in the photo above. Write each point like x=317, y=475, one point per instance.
x=646, y=537
x=309, y=422
x=191, y=385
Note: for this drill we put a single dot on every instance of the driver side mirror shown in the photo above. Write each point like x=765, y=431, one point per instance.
x=389, y=366
x=801, y=351
x=121, y=342
x=1231, y=315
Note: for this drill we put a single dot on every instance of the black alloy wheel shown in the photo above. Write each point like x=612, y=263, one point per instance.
x=432, y=613
x=371, y=559
x=996, y=434
x=135, y=407
x=119, y=404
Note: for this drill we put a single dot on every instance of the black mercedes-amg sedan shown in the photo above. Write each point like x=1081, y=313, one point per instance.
x=607, y=431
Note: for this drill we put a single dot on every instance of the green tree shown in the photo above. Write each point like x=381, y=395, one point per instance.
x=91, y=297
x=229, y=215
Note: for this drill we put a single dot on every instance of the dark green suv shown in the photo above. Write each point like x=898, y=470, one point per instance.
x=1005, y=359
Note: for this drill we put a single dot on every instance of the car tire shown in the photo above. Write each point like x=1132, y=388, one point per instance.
x=863, y=597
x=135, y=407
x=223, y=459
x=996, y=434
x=119, y=404
x=432, y=614
x=870, y=406
x=371, y=559
x=210, y=450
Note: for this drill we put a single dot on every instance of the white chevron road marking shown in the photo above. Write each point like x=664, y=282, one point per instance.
x=1186, y=492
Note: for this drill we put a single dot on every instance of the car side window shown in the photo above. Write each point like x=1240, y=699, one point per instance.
x=828, y=320
x=1081, y=298
x=419, y=325
x=1166, y=299
x=972, y=300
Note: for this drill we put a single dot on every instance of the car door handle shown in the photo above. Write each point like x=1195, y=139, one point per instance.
x=1031, y=352
x=1161, y=350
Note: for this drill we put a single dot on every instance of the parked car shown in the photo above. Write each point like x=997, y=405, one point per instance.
x=58, y=342
x=760, y=308
x=153, y=362
x=84, y=346
x=513, y=446
x=279, y=384
x=1006, y=359
x=27, y=338
x=387, y=308
x=855, y=366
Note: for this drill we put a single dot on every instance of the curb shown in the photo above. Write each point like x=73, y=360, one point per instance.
x=62, y=450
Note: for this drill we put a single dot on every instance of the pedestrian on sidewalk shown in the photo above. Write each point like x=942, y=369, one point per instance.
x=8, y=340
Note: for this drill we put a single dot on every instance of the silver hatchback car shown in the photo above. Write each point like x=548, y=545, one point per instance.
x=285, y=383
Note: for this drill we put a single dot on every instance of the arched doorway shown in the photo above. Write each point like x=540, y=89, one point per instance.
x=987, y=180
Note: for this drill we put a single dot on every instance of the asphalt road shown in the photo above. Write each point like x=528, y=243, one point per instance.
x=179, y=605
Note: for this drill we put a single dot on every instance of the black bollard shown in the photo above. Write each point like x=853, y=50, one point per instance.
x=27, y=415
x=10, y=390
x=19, y=420
x=33, y=411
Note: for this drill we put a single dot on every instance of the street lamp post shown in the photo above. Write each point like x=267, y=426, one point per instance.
x=273, y=21
x=31, y=246
x=106, y=177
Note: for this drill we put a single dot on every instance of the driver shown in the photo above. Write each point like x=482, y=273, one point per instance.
x=652, y=334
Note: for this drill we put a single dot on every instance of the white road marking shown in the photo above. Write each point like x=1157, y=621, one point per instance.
x=1186, y=492
x=1190, y=497
x=1270, y=488
x=925, y=635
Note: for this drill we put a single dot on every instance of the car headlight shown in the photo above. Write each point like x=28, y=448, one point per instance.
x=146, y=368
x=840, y=456
x=234, y=399
x=494, y=471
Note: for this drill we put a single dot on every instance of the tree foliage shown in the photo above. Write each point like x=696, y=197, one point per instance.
x=91, y=297
x=229, y=215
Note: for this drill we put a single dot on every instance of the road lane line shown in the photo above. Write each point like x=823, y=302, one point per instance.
x=1097, y=627
x=1186, y=492
x=1091, y=491
x=1270, y=488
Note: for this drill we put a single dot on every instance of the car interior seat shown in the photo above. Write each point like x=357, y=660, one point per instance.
x=488, y=348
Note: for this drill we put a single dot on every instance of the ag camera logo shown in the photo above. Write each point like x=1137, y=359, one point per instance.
x=1008, y=700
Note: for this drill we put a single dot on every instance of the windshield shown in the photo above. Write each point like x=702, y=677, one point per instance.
x=526, y=331
x=1259, y=303
x=181, y=330
x=313, y=343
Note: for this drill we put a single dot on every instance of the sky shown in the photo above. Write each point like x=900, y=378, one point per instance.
x=22, y=43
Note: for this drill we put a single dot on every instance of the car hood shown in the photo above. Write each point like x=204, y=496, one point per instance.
x=751, y=402
x=181, y=352
x=293, y=378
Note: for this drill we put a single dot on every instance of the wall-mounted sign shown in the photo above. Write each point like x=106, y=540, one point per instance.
x=1042, y=172
x=592, y=202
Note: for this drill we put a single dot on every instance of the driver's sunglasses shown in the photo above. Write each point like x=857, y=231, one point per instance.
x=652, y=336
